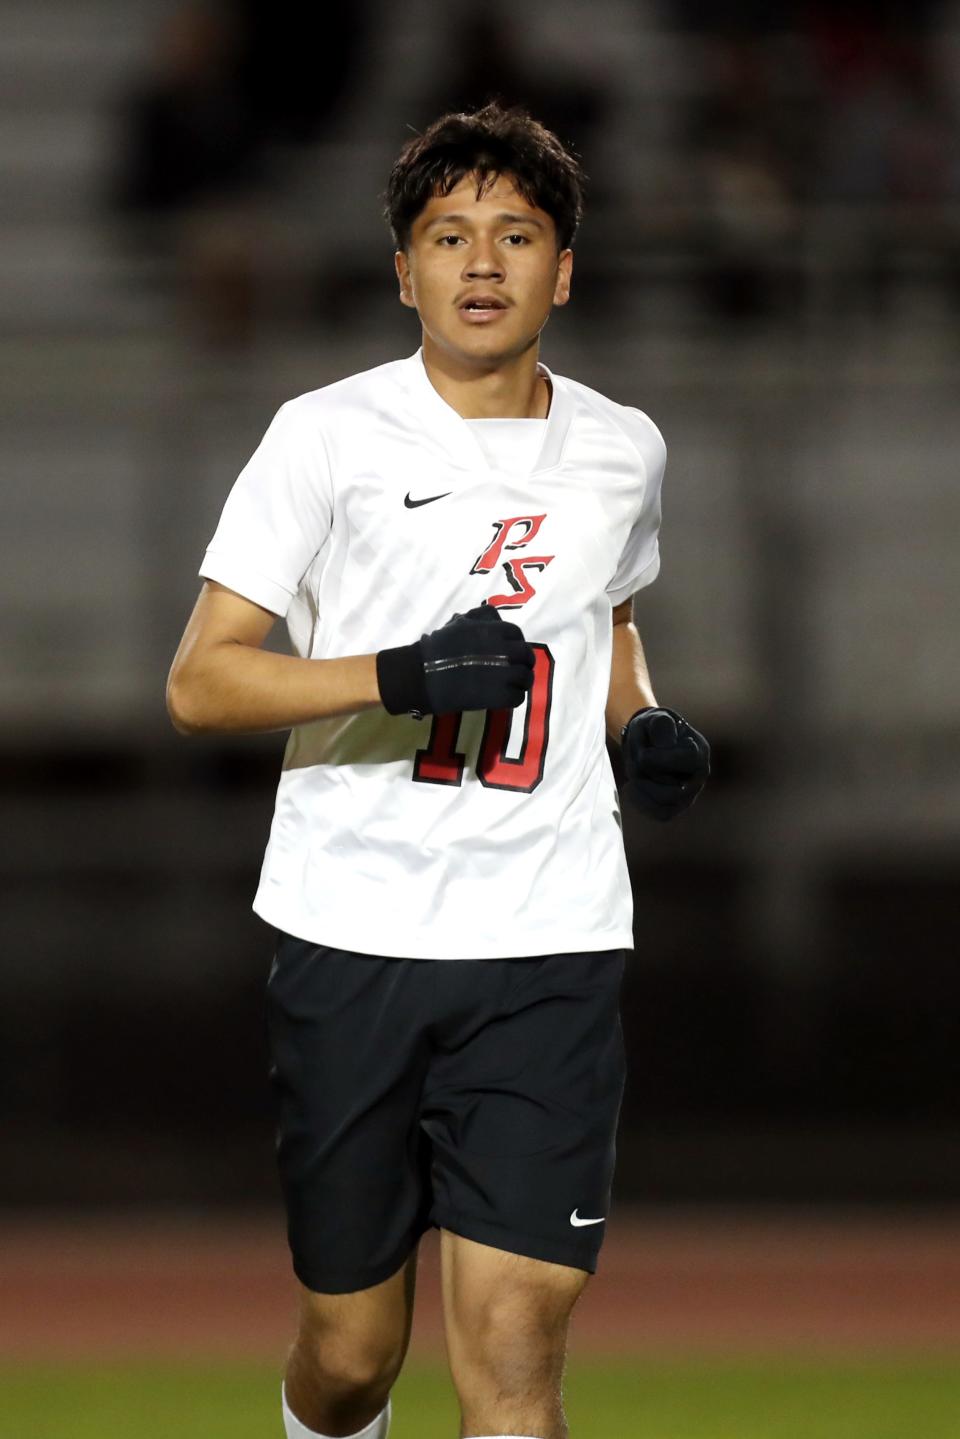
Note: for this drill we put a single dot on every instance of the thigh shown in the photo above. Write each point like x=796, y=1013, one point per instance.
x=480, y=1281
x=347, y=1060
x=506, y=1318
x=522, y=1108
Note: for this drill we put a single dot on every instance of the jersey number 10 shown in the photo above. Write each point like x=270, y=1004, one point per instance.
x=441, y=762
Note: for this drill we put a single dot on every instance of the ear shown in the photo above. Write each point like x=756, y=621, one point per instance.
x=561, y=290
x=402, y=268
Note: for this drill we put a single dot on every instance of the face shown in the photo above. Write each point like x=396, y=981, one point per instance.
x=483, y=274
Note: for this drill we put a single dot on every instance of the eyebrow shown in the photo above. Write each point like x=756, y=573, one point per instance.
x=503, y=219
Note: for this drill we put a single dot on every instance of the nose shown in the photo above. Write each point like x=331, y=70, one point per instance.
x=483, y=262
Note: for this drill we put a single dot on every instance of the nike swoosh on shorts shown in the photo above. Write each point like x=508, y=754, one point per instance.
x=578, y=1223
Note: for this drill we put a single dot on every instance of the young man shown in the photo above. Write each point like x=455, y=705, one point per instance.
x=445, y=867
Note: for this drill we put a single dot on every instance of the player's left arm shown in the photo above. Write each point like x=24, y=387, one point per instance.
x=630, y=687
x=666, y=760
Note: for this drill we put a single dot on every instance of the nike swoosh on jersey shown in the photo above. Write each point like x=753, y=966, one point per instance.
x=415, y=504
x=578, y=1223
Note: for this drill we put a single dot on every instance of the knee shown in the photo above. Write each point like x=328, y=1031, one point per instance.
x=347, y=1363
x=337, y=1386
x=347, y=1358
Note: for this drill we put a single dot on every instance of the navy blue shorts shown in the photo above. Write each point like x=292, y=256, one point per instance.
x=479, y=1096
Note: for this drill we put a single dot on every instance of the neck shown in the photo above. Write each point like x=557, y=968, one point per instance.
x=510, y=389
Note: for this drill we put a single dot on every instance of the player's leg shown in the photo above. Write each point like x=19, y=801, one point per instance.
x=347, y=1061
x=347, y=1355
x=506, y=1322
x=521, y=1106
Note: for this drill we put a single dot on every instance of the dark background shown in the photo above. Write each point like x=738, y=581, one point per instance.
x=770, y=266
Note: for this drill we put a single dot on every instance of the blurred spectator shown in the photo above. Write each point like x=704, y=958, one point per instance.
x=188, y=170
x=817, y=102
x=745, y=135
x=489, y=61
x=887, y=134
x=201, y=141
x=297, y=64
x=186, y=132
x=888, y=142
x=744, y=17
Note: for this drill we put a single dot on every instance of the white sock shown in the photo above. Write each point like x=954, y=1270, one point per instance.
x=379, y=1428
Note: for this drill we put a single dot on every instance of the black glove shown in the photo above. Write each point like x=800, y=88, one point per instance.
x=666, y=760
x=475, y=661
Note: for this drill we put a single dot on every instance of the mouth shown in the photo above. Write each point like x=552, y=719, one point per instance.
x=481, y=309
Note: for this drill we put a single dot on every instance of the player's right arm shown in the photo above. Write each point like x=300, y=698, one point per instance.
x=223, y=682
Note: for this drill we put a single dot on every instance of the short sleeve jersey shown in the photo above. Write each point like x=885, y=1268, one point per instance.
x=368, y=516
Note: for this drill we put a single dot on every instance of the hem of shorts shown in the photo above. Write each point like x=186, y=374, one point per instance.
x=387, y=947
x=514, y=1241
x=341, y=1282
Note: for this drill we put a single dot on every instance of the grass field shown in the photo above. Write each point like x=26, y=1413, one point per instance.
x=882, y=1399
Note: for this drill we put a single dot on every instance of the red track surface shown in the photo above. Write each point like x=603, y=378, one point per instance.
x=213, y=1286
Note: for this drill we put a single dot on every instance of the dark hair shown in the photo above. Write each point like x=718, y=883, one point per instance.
x=489, y=142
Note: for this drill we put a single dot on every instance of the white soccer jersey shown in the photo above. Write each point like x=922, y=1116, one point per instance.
x=369, y=514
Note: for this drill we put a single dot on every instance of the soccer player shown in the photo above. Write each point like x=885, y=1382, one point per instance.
x=454, y=540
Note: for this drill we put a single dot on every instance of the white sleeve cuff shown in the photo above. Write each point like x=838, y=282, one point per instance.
x=236, y=576
x=646, y=577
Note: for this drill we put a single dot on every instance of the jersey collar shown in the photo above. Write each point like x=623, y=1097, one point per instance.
x=455, y=434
